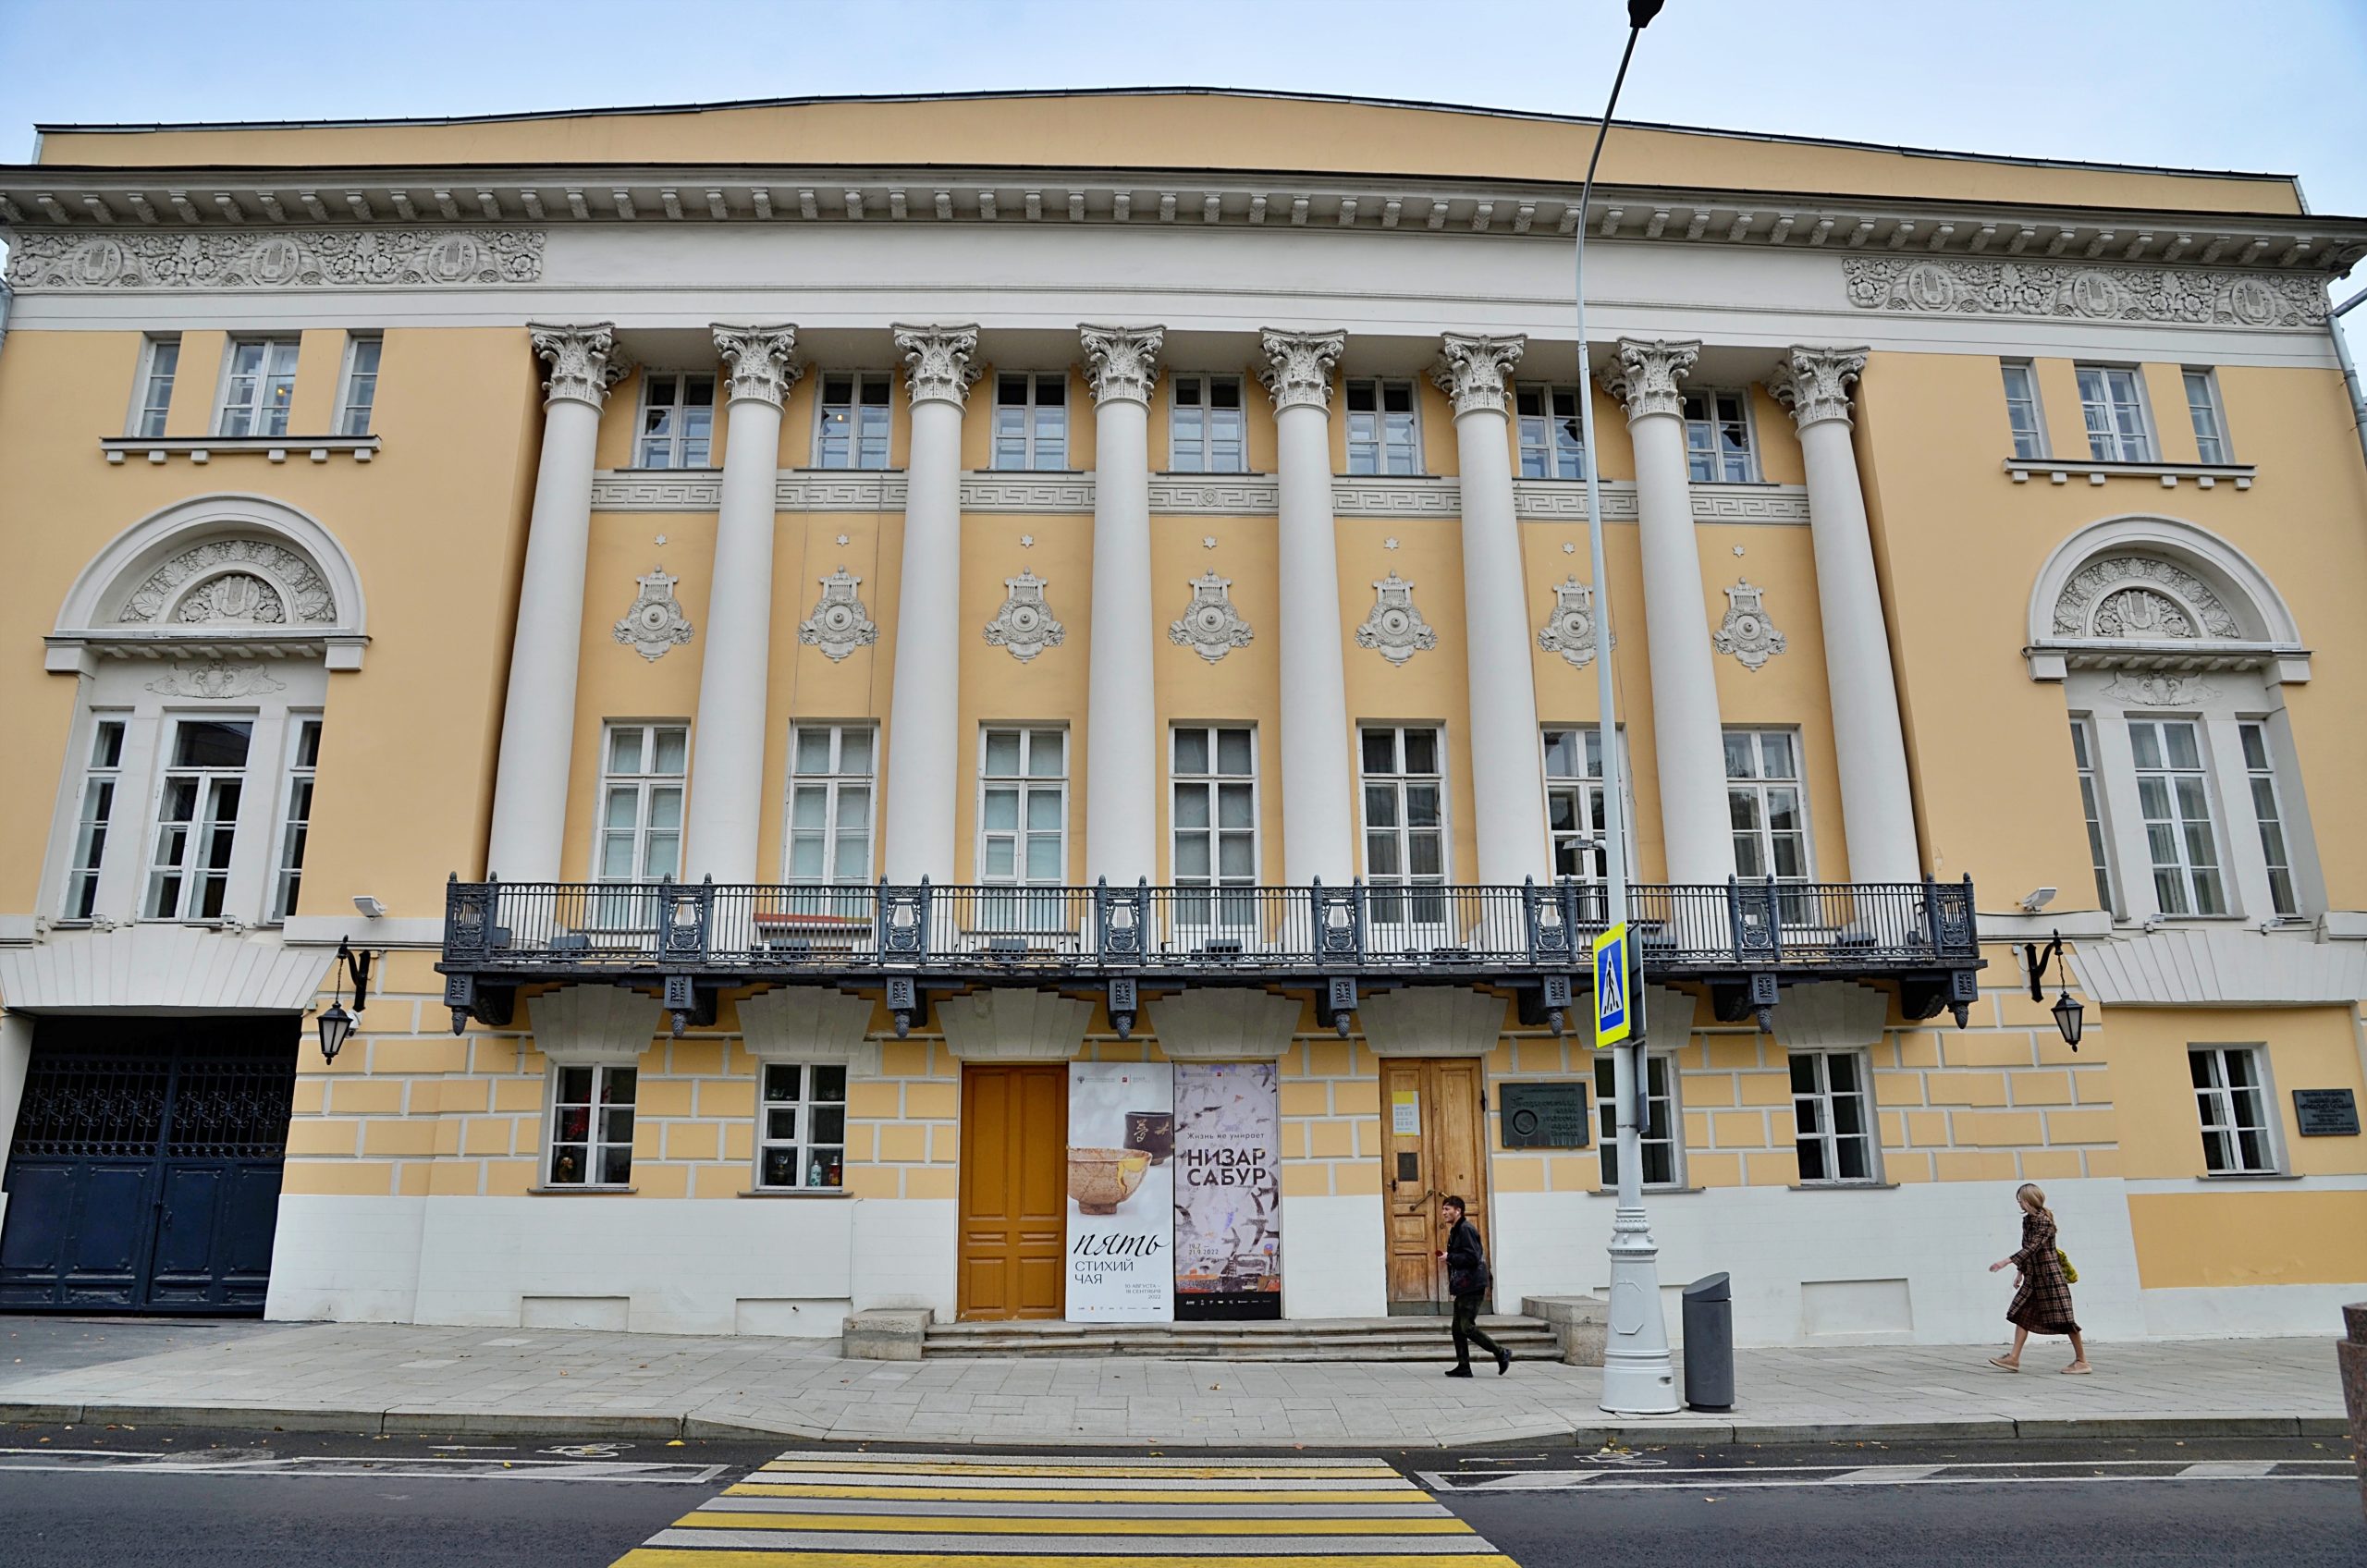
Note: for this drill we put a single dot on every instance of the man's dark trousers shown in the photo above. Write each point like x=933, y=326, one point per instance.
x=1467, y=1331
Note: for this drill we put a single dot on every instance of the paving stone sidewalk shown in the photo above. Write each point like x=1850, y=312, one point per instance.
x=388, y=1378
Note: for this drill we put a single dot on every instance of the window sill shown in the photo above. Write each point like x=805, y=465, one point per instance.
x=1845, y=1186
x=1649, y=1192
x=825, y=1193
x=587, y=1191
x=2206, y=476
x=685, y=469
x=202, y=449
x=2249, y=1176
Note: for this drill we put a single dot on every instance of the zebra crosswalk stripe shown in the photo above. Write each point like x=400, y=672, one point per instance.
x=955, y=1511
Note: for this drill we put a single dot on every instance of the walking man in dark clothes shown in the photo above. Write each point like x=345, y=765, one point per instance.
x=1468, y=1280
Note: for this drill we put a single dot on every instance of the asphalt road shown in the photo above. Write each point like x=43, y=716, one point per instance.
x=95, y=1497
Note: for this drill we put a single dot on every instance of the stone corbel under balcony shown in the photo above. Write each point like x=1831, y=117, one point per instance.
x=203, y=449
x=2206, y=476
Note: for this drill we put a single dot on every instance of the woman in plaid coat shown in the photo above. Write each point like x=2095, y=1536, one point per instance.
x=2042, y=1295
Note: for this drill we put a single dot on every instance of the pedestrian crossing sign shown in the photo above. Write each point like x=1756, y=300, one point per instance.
x=1610, y=1020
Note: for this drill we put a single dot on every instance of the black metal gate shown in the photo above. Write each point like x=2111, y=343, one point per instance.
x=145, y=1176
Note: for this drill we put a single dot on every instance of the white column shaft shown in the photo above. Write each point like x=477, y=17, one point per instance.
x=924, y=745
x=1687, y=740
x=728, y=742
x=1507, y=765
x=1318, y=824
x=1121, y=716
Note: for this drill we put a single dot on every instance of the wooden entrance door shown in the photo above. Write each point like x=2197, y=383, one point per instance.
x=1434, y=1145
x=1014, y=1176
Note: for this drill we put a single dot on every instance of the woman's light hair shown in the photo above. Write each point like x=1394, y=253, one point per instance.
x=2033, y=1195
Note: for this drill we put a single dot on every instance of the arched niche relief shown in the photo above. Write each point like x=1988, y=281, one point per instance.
x=2162, y=596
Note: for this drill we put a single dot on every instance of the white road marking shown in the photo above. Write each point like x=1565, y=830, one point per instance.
x=127, y=1462
x=2228, y=1470
x=1885, y=1475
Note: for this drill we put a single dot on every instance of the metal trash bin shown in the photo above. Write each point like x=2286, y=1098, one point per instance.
x=1710, y=1343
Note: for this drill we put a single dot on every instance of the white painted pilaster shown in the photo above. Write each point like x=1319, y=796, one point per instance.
x=1121, y=716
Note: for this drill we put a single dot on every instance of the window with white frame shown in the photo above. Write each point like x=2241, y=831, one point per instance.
x=1207, y=425
x=1213, y=784
x=2260, y=773
x=2202, y=407
x=1767, y=811
x=1832, y=1117
x=2022, y=409
x=2092, y=811
x=1023, y=825
x=101, y=778
x=258, y=388
x=2232, y=1098
x=1717, y=438
x=1575, y=817
x=832, y=786
x=1032, y=421
x=1404, y=797
x=197, y=818
x=1384, y=431
x=802, y=1128
x=295, y=821
x=358, y=393
x=2173, y=795
x=590, y=1144
x=1660, y=1140
x=2112, y=400
x=677, y=421
x=852, y=421
x=643, y=770
x=159, y=363
x=1552, y=441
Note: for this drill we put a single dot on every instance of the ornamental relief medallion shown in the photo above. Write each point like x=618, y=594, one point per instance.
x=1395, y=627
x=1025, y=624
x=238, y=582
x=655, y=625
x=1569, y=629
x=1209, y=626
x=2137, y=599
x=217, y=679
x=839, y=624
x=1746, y=633
x=288, y=259
x=2188, y=296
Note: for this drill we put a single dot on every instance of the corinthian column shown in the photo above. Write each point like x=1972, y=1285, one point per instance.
x=924, y=745
x=727, y=742
x=1121, y=716
x=1877, y=807
x=1507, y=771
x=1318, y=824
x=1687, y=737
x=538, y=710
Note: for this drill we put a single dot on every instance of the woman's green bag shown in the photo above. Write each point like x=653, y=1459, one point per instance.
x=2070, y=1275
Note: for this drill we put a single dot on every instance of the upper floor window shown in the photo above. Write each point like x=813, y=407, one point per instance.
x=1574, y=807
x=1764, y=805
x=1661, y=1139
x=2202, y=407
x=1023, y=826
x=2083, y=757
x=1383, y=434
x=830, y=793
x=677, y=421
x=2231, y=1098
x=361, y=385
x=197, y=818
x=2260, y=773
x=295, y=822
x=643, y=770
x=591, y=1143
x=1404, y=799
x=1553, y=442
x=853, y=431
x=1214, y=785
x=159, y=363
x=1717, y=438
x=260, y=386
x=2173, y=795
x=1206, y=428
x=2022, y=410
x=1832, y=1117
x=2112, y=400
x=1032, y=421
x=101, y=780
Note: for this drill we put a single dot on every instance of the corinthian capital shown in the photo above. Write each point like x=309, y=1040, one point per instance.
x=1471, y=370
x=761, y=359
x=1645, y=376
x=1299, y=369
x=1814, y=382
x=1121, y=362
x=940, y=361
x=584, y=361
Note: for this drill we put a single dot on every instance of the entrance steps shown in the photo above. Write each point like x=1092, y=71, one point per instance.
x=1333, y=1339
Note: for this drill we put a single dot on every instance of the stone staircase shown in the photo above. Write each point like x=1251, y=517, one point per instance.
x=1340, y=1339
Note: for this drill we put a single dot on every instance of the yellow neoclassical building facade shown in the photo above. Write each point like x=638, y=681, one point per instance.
x=987, y=704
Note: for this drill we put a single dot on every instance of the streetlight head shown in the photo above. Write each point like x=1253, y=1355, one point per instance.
x=1641, y=12
x=2071, y=1019
x=336, y=1024
x=2036, y=899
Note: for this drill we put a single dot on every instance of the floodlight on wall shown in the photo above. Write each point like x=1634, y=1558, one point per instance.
x=2036, y=899
x=369, y=906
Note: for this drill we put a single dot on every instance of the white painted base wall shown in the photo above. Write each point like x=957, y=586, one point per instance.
x=2242, y=1311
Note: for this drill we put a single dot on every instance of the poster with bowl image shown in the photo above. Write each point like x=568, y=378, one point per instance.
x=1121, y=1193
x=1228, y=1193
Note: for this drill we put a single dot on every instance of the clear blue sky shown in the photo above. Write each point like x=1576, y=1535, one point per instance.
x=2277, y=85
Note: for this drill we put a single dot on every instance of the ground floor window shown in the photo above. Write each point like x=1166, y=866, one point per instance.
x=2231, y=1095
x=591, y=1126
x=1832, y=1117
x=1662, y=1148
x=805, y=1127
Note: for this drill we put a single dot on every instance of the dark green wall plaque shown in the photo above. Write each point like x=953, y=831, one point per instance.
x=1543, y=1116
x=2326, y=1113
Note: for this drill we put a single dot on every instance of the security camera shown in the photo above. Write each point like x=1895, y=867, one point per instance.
x=369, y=905
x=2036, y=899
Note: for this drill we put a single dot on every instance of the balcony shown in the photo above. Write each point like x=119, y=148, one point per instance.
x=694, y=940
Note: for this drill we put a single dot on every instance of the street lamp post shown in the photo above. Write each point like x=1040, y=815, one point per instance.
x=1638, y=1376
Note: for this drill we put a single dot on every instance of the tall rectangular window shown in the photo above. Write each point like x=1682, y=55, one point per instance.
x=643, y=768
x=360, y=392
x=1831, y=1117
x=1764, y=805
x=2083, y=756
x=160, y=361
x=1206, y=428
x=258, y=389
x=2174, y=795
x=2260, y=772
x=1660, y=1139
x=1404, y=791
x=1023, y=825
x=801, y=1144
x=1213, y=784
x=1552, y=441
x=853, y=431
x=677, y=421
x=1717, y=438
x=1032, y=422
x=1384, y=433
x=2231, y=1099
x=2112, y=401
x=2022, y=410
x=2202, y=407
x=197, y=818
x=591, y=1143
x=100, y=780
x=831, y=788
x=1574, y=807
x=303, y=761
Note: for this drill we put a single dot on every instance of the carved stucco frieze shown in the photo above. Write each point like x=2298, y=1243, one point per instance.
x=1211, y=626
x=655, y=626
x=839, y=624
x=1474, y=371
x=1025, y=623
x=1395, y=627
x=237, y=582
x=1121, y=362
x=275, y=259
x=2185, y=295
x=1814, y=382
x=2158, y=691
x=761, y=361
x=1569, y=629
x=1746, y=633
x=584, y=360
x=1298, y=367
x=2141, y=599
x=940, y=361
x=217, y=679
x=1644, y=375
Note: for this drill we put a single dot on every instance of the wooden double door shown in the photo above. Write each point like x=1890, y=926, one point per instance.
x=1013, y=1237
x=1434, y=1145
